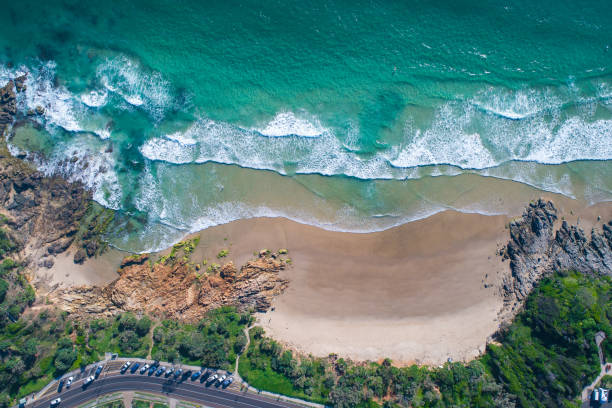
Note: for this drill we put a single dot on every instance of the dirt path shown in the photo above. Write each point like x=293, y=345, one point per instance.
x=586, y=392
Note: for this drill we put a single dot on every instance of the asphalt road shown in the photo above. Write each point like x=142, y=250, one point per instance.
x=187, y=390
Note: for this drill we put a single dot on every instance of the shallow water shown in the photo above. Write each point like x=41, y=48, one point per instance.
x=353, y=116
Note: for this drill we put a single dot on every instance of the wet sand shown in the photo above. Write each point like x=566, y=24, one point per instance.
x=421, y=292
x=414, y=293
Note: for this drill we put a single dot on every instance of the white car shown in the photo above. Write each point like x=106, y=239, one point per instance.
x=89, y=380
x=69, y=381
x=125, y=366
x=222, y=378
x=144, y=368
x=56, y=402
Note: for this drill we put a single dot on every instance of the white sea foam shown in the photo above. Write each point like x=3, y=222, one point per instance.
x=95, y=98
x=519, y=104
x=462, y=134
x=229, y=144
x=128, y=79
x=86, y=161
x=60, y=107
x=288, y=124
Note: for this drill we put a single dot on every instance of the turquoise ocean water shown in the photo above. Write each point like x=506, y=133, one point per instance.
x=353, y=116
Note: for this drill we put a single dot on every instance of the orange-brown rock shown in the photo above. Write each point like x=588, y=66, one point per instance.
x=177, y=290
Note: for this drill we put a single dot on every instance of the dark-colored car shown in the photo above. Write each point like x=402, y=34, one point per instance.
x=195, y=375
x=151, y=370
x=169, y=372
x=186, y=375
x=160, y=371
x=60, y=386
x=134, y=367
x=98, y=371
x=227, y=382
x=155, y=364
x=178, y=373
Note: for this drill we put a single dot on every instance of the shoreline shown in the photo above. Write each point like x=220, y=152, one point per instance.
x=422, y=292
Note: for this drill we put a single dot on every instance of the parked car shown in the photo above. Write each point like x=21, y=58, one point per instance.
x=160, y=371
x=178, y=373
x=195, y=375
x=125, y=367
x=186, y=374
x=202, y=377
x=69, y=382
x=169, y=372
x=134, y=367
x=151, y=370
x=227, y=382
x=207, y=373
x=89, y=380
x=56, y=402
x=144, y=368
x=212, y=379
x=221, y=379
x=603, y=395
x=155, y=364
x=60, y=385
x=98, y=370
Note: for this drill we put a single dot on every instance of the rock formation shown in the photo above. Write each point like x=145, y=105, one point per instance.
x=535, y=250
x=177, y=289
x=42, y=212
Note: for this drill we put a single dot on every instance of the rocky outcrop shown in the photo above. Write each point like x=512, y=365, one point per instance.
x=43, y=212
x=177, y=289
x=535, y=250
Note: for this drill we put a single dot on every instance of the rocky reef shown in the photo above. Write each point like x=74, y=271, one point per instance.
x=178, y=289
x=47, y=215
x=43, y=213
x=537, y=249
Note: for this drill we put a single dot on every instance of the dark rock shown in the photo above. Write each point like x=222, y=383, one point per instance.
x=59, y=246
x=20, y=83
x=134, y=260
x=47, y=263
x=536, y=250
x=91, y=247
x=80, y=256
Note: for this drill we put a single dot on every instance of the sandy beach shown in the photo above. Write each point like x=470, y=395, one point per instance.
x=94, y=271
x=414, y=293
x=422, y=292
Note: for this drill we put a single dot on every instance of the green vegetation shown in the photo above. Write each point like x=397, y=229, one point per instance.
x=606, y=382
x=549, y=354
x=138, y=403
x=112, y=404
x=544, y=359
x=213, y=342
x=185, y=247
x=223, y=253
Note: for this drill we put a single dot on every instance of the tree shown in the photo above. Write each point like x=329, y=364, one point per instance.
x=127, y=321
x=64, y=358
x=129, y=341
x=3, y=289
x=240, y=343
x=143, y=326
